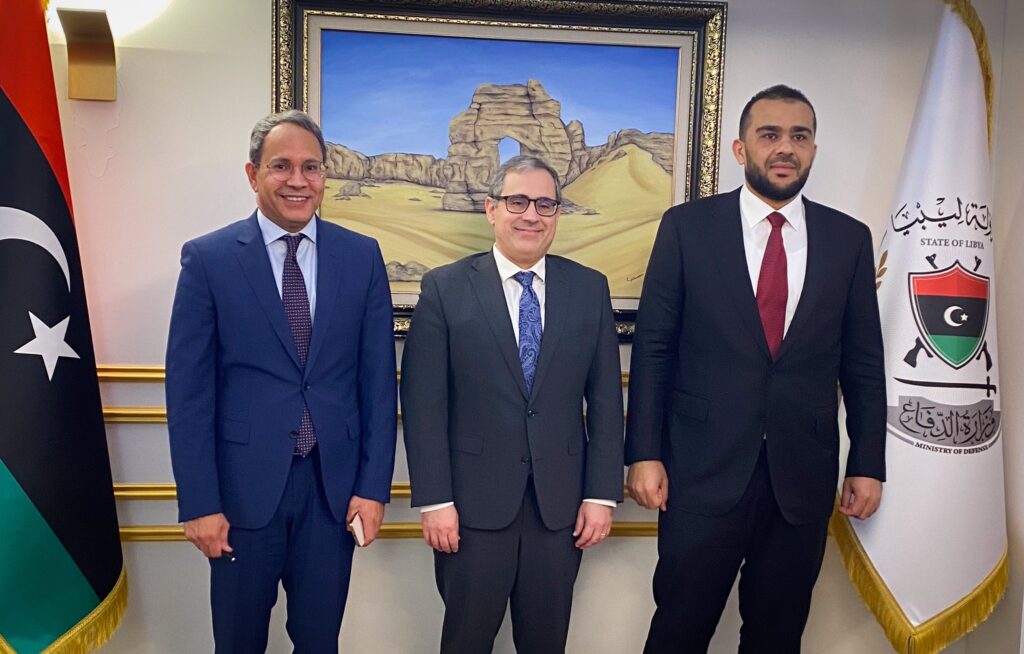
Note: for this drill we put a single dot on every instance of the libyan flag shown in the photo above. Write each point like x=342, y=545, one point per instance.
x=932, y=563
x=62, y=582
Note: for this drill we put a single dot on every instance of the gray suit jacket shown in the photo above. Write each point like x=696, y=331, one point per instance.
x=473, y=434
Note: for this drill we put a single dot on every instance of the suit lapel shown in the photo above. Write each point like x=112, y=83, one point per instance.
x=256, y=265
x=817, y=244
x=489, y=293
x=328, y=279
x=733, y=273
x=556, y=299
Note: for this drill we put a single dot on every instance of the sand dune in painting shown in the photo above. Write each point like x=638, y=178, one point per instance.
x=626, y=190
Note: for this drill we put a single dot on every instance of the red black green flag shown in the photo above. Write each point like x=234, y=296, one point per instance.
x=62, y=583
x=951, y=309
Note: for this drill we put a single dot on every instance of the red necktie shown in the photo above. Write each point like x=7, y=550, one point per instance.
x=772, y=286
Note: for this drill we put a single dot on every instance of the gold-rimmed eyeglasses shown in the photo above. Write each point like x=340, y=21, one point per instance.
x=282, y=170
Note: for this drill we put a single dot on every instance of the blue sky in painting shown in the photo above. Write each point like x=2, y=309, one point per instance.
x=397, y=93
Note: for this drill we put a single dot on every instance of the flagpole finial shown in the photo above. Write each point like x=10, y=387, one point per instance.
x=970, y=17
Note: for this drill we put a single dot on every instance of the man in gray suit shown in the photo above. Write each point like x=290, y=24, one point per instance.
x=512, y=413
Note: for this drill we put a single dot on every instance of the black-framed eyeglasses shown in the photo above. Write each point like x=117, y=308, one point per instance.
x=545, y=207
x=282, y=170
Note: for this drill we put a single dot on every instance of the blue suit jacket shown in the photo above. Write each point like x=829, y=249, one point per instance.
x=236, y=389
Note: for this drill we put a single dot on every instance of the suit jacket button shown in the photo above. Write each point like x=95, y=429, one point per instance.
x=306, y=387
x=531, y=413
x=524, y=460
x=293, y=434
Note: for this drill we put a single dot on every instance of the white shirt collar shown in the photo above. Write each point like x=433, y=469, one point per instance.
x=754, y=209
x=272, y=231
x=507, y=269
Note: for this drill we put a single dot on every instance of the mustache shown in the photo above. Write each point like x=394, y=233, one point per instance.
x=786, y=159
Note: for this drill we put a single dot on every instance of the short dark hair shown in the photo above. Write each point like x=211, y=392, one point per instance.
x=267, y=123
x=777, y=92
x=521, y=164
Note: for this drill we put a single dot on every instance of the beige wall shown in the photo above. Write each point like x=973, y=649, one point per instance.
x=164, y=163
x=1002, y=631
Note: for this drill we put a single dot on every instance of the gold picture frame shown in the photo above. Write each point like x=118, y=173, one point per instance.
x=310, y=38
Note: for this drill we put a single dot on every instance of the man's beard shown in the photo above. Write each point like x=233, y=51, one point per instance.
x=759, y=182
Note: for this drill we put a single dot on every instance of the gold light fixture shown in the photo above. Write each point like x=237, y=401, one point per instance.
x=92, y=67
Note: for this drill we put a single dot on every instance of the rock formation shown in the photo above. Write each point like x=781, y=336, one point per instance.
x=659, y=144
x=424, y=169
x=524, y=112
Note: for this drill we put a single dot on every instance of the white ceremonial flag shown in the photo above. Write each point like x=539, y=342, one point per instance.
x=932, y=564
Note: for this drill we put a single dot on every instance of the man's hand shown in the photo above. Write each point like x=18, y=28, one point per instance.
x=441, y=529
x=593, y=522
x=861, y=497
x=371, y=512
x=209, y=533
x=648, y=484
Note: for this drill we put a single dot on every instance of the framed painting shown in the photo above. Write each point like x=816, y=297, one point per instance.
x=420, y=102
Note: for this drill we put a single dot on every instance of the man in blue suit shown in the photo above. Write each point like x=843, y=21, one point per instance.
x=281, y=398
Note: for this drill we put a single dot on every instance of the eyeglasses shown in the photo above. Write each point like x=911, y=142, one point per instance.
x=545, y=207
x=313, y=171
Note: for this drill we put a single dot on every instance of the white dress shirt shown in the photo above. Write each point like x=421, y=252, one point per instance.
x=754, y=213
x=513, y=293
x=305, y=256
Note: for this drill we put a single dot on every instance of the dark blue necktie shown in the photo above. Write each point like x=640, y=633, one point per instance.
x=296, y=307
x=529, y=327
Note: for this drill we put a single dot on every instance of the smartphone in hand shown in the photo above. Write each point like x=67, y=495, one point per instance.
x=356, y=529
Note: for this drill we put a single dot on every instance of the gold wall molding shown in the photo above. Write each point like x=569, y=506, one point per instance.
x=135, y=414
x=400, y=490
x=132, y=373
x=166, y=491
x=392, y=530
x=159, y=491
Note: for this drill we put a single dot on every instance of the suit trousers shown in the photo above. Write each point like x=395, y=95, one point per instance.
x=526, y=564
x=699, y=556
x=302, y=547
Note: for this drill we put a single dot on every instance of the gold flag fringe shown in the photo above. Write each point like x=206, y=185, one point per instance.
x=973, y=23
x=96, y=628
x=928, y=637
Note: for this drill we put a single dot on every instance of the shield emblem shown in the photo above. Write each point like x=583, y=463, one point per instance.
x=951, y=310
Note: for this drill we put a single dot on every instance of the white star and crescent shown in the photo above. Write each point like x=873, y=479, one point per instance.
x=49, y=343
x=948, y=316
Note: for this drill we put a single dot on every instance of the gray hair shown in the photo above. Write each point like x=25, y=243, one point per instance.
x=521, y=164
x=293, y=116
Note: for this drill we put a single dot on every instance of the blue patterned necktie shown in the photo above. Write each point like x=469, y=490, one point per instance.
x=529, y=327
x=296, y=307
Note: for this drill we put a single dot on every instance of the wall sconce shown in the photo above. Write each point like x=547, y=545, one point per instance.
x=92, y=67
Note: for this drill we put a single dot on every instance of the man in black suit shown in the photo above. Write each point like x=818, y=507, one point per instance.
x=512, y=414
x=755, y=304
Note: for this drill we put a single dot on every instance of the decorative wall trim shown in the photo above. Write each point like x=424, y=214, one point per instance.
x=133, y=373
x=400, y=490
x=161, y=491
x=130, y=373
x=393, y=530
x=135, y=414
x=166, y=491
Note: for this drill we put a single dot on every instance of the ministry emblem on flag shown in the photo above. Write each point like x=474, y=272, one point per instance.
x=951, y=310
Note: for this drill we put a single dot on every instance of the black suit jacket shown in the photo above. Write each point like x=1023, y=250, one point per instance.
x=473, y=433
x=704, y=392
